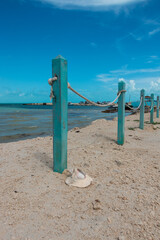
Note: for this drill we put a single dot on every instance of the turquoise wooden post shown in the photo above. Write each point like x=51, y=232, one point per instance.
x=121, y=113
x=60, y=114
x=157, y=106
x=142, y=107
x=152, y=109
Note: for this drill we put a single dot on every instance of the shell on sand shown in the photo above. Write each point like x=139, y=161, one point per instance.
x=78, y=179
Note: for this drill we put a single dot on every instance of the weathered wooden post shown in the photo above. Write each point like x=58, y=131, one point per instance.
x=157, y=106
x=60, y=114
x=152, y=109
x=142, y=107
x=121, y=112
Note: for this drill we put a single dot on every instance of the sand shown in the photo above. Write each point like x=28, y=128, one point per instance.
x=122, y=203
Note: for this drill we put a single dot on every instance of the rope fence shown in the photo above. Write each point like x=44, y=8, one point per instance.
x=59, y=95
x=93, y=103
x=151, y=109
x=135, y=109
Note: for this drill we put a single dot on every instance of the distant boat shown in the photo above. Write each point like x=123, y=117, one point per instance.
x=128, y=106
x=114, y=108
x=147, y=98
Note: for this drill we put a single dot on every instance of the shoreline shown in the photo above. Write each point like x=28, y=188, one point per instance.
x=25, y=136
x=122, y=203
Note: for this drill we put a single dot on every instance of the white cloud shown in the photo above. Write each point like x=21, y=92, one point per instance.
x=141, y=32
x=142, y=70
x=105, y=78
x=121, y=80
x=152, y=86
x=154, y=57
x=152, y=22
x=124, y=72
x=136, y=37
x=135, y=79
x=21, y=94
x=155, y=85
x=131, y=85
x=143, y=77
x=93, y=44
x=86, y=4
x=154, y=31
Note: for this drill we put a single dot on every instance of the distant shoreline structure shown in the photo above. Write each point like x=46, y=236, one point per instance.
x=69, y=104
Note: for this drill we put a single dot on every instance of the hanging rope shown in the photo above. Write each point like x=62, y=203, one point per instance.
x=151, y=108
x=50, y=81
x=93, y=103
x=135, y=109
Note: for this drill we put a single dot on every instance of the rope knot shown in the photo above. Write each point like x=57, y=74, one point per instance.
x=121, y=91
x=51, y=80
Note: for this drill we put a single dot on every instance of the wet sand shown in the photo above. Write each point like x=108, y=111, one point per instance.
x=122, y=203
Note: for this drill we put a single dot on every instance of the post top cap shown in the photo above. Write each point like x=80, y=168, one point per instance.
x=59, y=56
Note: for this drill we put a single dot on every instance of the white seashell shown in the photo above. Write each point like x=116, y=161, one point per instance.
x=80, y=174
x=78, y=179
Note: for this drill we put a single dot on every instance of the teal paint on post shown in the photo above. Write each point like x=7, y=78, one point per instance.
x=142, y=107
x=121, y=113
x=157, y=106
x=152, y=109
x=60, y=114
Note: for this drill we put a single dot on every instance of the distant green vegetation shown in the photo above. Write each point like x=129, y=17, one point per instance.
x=131, y=128
x=155, y=123
x=146, y=122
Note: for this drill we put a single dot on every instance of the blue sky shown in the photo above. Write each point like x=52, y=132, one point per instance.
x=103, y=41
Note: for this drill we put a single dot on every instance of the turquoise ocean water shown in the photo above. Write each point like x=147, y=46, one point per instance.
x=18, y=121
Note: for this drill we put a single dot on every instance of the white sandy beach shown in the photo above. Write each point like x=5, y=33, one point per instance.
x=122, y=203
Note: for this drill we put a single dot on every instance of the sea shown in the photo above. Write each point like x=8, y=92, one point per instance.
x=19, y=121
